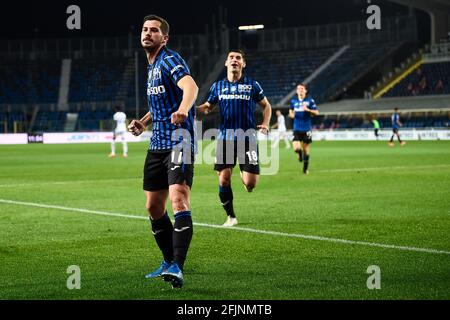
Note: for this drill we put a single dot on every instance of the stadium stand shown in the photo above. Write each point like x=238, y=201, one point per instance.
x=27, y=81
x=428, y=79
x=102, y=76
x=355, y=61
x=278, y=72
x=49, y=121
x=98, y=79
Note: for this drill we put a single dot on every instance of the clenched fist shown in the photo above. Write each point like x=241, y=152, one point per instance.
x=136, y=127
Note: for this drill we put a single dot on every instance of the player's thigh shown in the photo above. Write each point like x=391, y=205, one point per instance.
x=249, y=159
x=306, y=147
x=296, y=145
x=156, y=203
x=306, y=138
x=247, y=152
x=225, y=155
x=155, y=172
x=179, y=167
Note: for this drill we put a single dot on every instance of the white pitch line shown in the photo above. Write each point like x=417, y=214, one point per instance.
x=273, y=233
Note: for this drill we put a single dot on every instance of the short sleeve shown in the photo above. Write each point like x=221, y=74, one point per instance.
x=258, y=92
x=292, y=106
x=212, y=96
x=312, y=105
x=176, y=67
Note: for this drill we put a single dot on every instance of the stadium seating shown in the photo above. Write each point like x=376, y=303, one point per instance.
x=96, y=79
x=7, y=120
x=354, y=61
x=49, y=121
x=28, y=81
x=279, y=72
x=428, y=79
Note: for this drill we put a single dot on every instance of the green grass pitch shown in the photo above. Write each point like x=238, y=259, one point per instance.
x=357, y=191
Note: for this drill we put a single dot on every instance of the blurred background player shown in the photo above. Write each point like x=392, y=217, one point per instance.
x=281, y=125
x=302, y=110
x=396, y=124
x=376, y=126
x=237, y=96
x=121, y=127
x=169, y=165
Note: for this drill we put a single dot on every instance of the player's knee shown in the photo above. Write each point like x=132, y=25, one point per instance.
x=155, y=211
x=179, y=199
x=225, y=181
x=179, y=203
x=225, y=178
x=250, y=185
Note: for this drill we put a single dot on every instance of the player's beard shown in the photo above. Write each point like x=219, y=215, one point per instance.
x=152, y=47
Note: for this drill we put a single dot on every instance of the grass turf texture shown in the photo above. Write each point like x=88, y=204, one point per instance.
x=362, y=191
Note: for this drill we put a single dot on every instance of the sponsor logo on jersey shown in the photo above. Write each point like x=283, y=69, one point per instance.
x=234, y=96
x=156, y=90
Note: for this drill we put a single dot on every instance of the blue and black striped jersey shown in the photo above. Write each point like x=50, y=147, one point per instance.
x=237, y=101
x=302, y=119
x=394, y=119
x=164, y=98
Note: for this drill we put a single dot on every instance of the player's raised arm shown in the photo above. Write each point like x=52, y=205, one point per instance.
x=190, y=91
x=267, y=113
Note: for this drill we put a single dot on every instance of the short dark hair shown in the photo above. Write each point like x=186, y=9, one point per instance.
x=165, y=28
x=396, y=109
x=238, y=51
x=304, y=85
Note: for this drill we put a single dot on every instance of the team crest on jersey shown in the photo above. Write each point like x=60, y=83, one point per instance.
x=155, y=74
x=233, y=89
x=244, y=88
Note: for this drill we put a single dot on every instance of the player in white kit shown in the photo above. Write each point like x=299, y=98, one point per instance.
x=281, y=125
x=121, y=127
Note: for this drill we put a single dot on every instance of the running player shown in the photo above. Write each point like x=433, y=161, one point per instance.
x=303, y=108
x=237, y=96
x=121, y=127
x=169, y=166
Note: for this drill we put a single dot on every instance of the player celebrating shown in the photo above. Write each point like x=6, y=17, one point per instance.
x=281, y=125
x=168, y=170
x=237, y=96
x=303, y=108
x=396, y=124
x=120, y=118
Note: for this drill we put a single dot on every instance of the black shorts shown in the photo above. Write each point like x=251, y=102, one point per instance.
x=395, y=130
x=303, y=136
x=246, y=152
x=162, y=169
